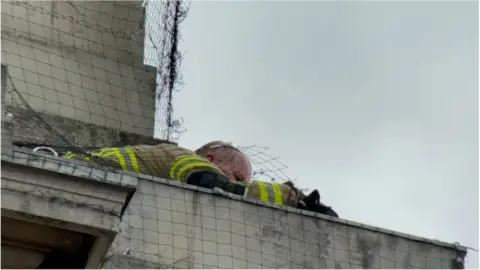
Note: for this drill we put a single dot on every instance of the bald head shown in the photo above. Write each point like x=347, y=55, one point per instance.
x=227, y=158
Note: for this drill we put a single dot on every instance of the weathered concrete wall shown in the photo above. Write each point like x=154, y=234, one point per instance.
x=26, y=125
x=29, y=126
x=82, y=60
x=169, y=226
x=44, y=190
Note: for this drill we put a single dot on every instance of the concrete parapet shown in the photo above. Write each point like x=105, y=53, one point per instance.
x=165, y=224
x=182, y=226
x=46, y=191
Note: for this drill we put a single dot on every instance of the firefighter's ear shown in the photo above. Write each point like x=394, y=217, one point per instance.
x=209, y=157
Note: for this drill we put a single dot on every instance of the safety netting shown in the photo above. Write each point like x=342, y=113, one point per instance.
x=82, y=83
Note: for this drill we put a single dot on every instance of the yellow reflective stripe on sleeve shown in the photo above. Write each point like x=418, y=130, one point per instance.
x=263, y=191
x=177, y=163
x=133, y=159
x=121, y=160
x=108, y=152
x=69, y=155
x=126, y=157
x=104, y=152
x=277, y=193
x=182, y=164
x=188, y=166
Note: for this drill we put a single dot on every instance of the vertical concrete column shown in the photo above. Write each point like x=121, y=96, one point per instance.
x=81, y=60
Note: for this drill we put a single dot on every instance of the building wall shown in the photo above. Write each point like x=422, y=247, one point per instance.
x=68, y=212
x=81, y=60
x=168, y=226
x=84, y=61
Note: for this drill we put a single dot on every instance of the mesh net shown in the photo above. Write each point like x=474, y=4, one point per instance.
x=80, y=61
x=82, y=81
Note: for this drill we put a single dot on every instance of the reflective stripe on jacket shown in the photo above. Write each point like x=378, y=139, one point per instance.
x=163, y=160
x=184, y=166
x=271, y=193
x=121, y=158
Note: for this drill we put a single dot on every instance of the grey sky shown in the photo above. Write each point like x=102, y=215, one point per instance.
x=375, y=104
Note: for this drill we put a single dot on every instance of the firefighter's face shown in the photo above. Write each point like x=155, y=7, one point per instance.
x=234, y=164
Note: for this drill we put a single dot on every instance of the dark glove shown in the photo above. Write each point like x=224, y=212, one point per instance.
x=210, y=180
x=312, y=202
x=327, y=210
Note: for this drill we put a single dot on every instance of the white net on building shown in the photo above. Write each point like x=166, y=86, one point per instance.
x=85, y=80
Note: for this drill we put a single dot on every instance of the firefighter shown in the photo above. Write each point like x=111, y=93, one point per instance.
x=163, y=160
x=214, y=165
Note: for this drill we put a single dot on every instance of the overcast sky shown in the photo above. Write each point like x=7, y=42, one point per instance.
x=375, y=104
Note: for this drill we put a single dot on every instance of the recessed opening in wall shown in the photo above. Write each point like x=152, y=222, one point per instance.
x=32, y=245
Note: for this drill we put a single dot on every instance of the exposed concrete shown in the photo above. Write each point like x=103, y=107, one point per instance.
x=29, y=126
x=181, y=226
x=82, y=60
x=4, y=86
x=7, y=137
x=173, y=225
x=129, y=262
x=51, y=191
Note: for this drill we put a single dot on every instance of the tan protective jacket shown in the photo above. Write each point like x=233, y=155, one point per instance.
x=268, y=192
x=176, y=163
x=162, y=160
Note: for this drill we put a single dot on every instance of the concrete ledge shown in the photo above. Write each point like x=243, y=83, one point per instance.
x=51, y=191
x=66, y=168
x=127, y=262
x=30, y=127
x=307, y=213
x=161, y=212
x=183, y=226
x=139, y=177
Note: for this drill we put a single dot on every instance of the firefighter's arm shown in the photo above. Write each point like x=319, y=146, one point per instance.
x=211, y=180
x=299, y=196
